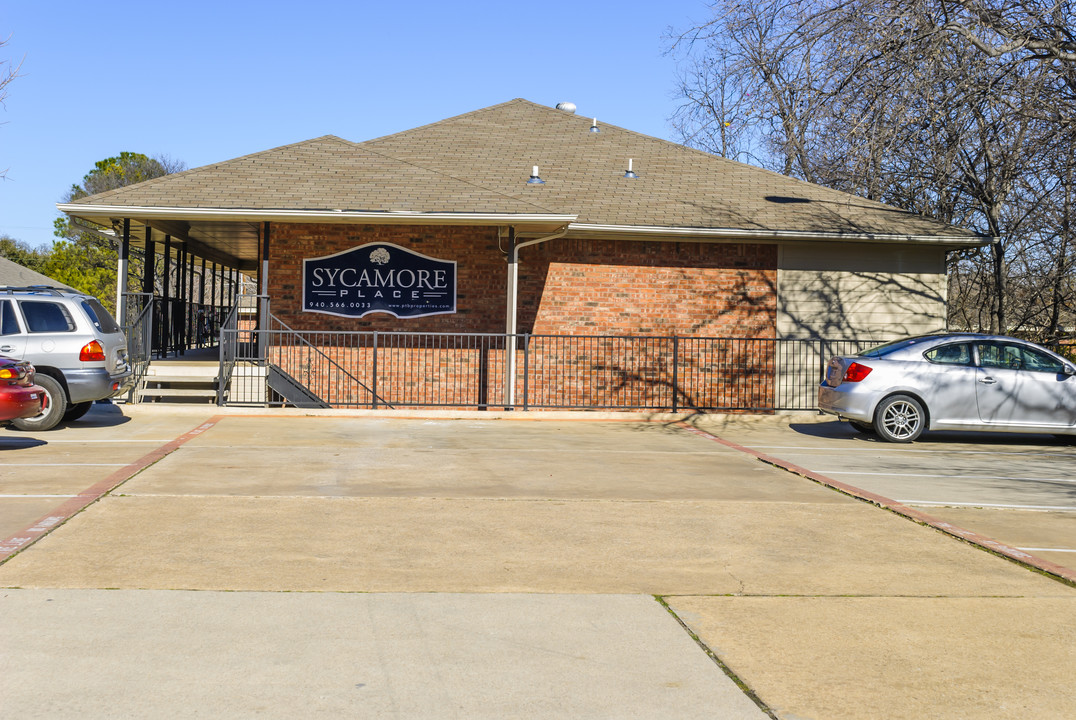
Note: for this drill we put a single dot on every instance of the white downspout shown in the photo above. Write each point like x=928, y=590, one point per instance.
x=513, y=300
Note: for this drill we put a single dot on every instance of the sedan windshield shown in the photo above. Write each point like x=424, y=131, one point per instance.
x=892, y=347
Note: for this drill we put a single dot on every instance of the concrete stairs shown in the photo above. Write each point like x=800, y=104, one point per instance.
x=178, y=381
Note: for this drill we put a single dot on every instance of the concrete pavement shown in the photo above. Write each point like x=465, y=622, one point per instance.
x=543, y=537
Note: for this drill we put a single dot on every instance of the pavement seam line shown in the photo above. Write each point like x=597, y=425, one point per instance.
x=1036, y=564
x=13, y=545
x=743, y=686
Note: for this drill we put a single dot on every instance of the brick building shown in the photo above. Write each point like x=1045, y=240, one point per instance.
x=536, y=222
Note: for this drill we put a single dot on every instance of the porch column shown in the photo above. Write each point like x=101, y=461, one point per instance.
x=263, y=290
x=166, y=301
x=149, y=260
x=181, y=292
x=192, y=334
x=121, y=273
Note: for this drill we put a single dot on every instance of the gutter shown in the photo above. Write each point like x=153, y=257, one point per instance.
x=576, y=229
x=647, y=231
x=400, y=217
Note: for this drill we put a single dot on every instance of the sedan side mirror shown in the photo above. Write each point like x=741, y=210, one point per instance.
x=1068, y=370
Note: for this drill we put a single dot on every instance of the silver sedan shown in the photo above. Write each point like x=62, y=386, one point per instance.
x=952, y=382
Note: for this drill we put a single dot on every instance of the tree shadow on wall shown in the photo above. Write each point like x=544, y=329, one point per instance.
x=683, y=401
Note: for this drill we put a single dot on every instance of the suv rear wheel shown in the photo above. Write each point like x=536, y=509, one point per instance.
x=77, y=410
x=54, y=408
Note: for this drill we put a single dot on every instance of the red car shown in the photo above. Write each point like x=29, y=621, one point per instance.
x=19, y=397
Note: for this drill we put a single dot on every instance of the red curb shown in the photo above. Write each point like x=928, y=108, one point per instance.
x=37, y=530
x=987, y=543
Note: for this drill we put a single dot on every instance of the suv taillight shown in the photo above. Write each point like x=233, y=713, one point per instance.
x=856, y=372
x=92, y=352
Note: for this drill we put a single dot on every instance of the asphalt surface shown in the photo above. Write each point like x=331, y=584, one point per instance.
x=178, y=562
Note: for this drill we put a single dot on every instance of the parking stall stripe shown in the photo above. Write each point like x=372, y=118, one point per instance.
x=78, y=464
x=909, y=451
x=969, y=536
x=954, y=477
x=947, y=503
x=37, y=530
x=1049, y=549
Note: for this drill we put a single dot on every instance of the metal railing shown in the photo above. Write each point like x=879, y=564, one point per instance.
x=442, y=370
x=237, y=339
x=139, y=335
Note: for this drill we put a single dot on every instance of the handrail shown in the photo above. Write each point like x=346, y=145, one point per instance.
x=228, y=350
x=333, y=363
x=139, y=338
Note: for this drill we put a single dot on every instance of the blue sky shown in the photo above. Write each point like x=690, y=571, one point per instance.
x=203, y=82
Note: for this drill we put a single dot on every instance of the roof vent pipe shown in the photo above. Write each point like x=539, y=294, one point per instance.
x=594, y=125
x=629, y=173
x=535, y=180
x=568, y=107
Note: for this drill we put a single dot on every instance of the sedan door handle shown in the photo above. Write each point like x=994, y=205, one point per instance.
x=987, y=380
x=6, y=348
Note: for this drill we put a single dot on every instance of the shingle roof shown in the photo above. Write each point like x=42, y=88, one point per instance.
x=13, y=274
x=479, y=163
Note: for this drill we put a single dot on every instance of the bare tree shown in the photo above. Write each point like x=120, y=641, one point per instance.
x=1033, y=28
x=886, y=99
x=8, y=72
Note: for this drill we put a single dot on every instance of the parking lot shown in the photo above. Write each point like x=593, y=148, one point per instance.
x=1018, y=489
x=499, y=565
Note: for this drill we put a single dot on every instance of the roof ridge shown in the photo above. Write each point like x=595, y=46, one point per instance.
x=442, y=121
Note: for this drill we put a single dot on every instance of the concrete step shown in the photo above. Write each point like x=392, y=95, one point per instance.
x=179, y=392
x=211, y=379
x=179, y=382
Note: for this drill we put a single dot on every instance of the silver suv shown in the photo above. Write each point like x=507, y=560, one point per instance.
x=78, y=350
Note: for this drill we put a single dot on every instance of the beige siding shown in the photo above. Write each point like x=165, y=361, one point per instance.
x=857, y=291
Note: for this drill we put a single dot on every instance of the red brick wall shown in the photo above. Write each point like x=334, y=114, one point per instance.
x=567, y=287
x=480, y=274
x=605, y=287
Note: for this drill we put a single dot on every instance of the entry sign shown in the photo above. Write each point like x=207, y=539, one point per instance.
x=379, y=277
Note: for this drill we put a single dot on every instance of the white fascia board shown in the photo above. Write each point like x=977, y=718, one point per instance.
x=279, y=215
x=652, y=231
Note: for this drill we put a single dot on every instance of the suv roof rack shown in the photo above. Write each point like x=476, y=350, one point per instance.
x=46, y=289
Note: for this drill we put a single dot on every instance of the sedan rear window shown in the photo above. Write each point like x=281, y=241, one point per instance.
x=955, y=354
x=883, y=350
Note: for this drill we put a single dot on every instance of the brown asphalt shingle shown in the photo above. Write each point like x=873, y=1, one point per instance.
x=479, y=162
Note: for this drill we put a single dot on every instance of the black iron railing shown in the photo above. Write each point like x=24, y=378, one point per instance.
x=442, y=370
